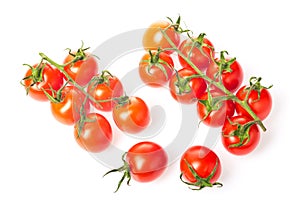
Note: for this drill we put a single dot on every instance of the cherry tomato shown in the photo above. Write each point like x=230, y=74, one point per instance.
x=67, y=109
x=155, y=69
x=154, y=39
x=104, y=88
x=260, y=104
x=94, y=134
x=132, y=115
x=144, y=162
x=231, y=73
x=82, y=71
x=213, y=111
x=42, y=76
x=200, y=166
x=186, y=89
x=239, y=135
x=198, y=50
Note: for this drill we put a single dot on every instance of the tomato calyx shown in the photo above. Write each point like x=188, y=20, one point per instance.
x=224, y=64
x=126, y=172
x=79, y=55
x=255, y=85
x=199, y=43
x=242, y=132
x=200, y=182
x=177, y=26
x=182, y=84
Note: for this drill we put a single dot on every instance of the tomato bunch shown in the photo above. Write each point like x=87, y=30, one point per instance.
x=208, y=79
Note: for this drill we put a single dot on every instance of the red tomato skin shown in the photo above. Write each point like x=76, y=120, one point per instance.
x=199, y=59
x=104, y=91
x=52, y=78
x=154, y=39
x=215, y=118
x=133, y=117
x=156, y=77
x=228, y=140
x=231, y=80
x=203, y=161
x=96, y=134
x=198, y=87
x=81, y=71
x=147, y=161
x=67, y=111
x=261, y=107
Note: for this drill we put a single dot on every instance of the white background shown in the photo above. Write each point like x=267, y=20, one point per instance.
x=39, y=157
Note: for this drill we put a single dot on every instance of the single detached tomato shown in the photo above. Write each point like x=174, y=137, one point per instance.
x=213, y=108
x=94, y=133
x=144, y=162
x=82, y=71
x=42, y=77
x=186, y=87
x=154, y=39
x=105, y=87
x=259, y=99
x=156, y=68
x=69, y=106
x=199, y=51
x=200, y=167
x=240, y=135
x=228, y=70
x=131, y=115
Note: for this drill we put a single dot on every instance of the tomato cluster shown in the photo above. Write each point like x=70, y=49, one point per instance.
x=210, y=80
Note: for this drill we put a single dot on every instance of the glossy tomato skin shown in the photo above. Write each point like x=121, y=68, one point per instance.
x=203, y=160
x=154, y=39
x=217, y=117
x=151, y=74
x=95, y=135
x=112, y=88
x=133, y=116
x=200, y=59
x=52, y=78
x=228, y=140
x=231, y=80
x=67, y=111
x=261, y=106
x=81, y=71
x=147, y=161
x=197, y=85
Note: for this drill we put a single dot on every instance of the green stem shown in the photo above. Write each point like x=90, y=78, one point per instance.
x=219, y=85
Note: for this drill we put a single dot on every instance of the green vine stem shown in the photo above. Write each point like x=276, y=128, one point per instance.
x=219, y=85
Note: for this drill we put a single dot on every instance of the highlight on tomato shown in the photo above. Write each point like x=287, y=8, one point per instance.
x=93, y=132
x=186, y=86
x=104, y=88
x=131, y=114
x=41, y=78
x=82, y=70
x=199, y=51
x=257, y=97
x=144, y=162
x=213, y=108
x=240, y=135
x=200, y=167
x=69, y=105
x=156, y=68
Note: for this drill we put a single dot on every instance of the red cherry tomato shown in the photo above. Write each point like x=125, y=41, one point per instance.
x=105, y=88
x=42, y=76
x=67, y=109
x=132, y=115
x=185, y=89
x=82, y=71
x=260, y=104
x=212, y=111
x=94, y=134
x=156, y=69
x=240, y=137
x=198, y=50
x=200, y=166
x=154, y=39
